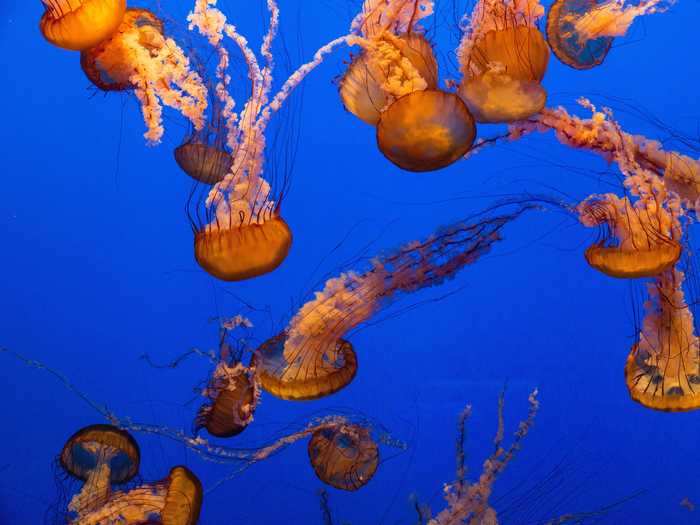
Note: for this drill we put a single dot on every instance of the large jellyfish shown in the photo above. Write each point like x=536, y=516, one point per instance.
x=663, y=368
x=103, y=455
x=503, y=58
x=80, y=24
x=580, y=32
x=345, y=457
x=393, y=84
x=243, y=234
x=140, y=57
x=310, y=359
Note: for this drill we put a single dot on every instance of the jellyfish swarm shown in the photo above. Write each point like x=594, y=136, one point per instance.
x=663, y=368
x=241, y=234
x=503, y=58
x=102, y=455
x=345, y=457
x=311, y=358
x=139, y=57
x=80, y=24
x=642, y=235
x=393, y=84
x=580, y=32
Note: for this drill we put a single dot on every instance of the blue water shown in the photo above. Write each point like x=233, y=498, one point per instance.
x=97, y=270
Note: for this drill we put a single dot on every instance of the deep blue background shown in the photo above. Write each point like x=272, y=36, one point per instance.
x=97, y=269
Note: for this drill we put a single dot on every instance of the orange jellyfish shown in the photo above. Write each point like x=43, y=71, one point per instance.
x=641, y=239
x=312, y=358
x=345, y=457
x=232, y=392
x=241, y=234
x=80, y=24
x=503, y=58
x=580, y=32
x=331, y=369
x=103, y=455
x=140, y=57
x=663, y=368
x=393, y=84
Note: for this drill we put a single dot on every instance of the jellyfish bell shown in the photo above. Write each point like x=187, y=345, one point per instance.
x=639, y=244
x=233, y=397
x=183, y=499
x=565, y=41
x=662, y=371
x=235, y=252
x=361, y=88
x=345, y=457
x=426, y=131
x=306, y=373
x=80, y=24
x=503, y=59
x=204, y=163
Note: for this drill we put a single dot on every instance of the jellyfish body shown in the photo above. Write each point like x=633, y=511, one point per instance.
x=503, y=59
x=663, y=369
x=204, y=163
x=80, y=24
x=296, y=378
x=644, y=241
x=233, y=396
x=235, y=253
x=345, y=457
x=139, y=57
x=393, y=84
x=565, y=42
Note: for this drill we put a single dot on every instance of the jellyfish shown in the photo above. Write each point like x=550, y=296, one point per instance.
x=104, y=455
x=232, y=393
x=312, y=359
x=393, y=85
x=80, y=24
x=241, y=233
x=581, y=32
x=642, y=234
x=345, y=457
x=204, y=155
x=140, y=57
x=663, y=368
x=503, y=58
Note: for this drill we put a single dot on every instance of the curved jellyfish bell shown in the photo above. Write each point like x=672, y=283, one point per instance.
x=78, y=25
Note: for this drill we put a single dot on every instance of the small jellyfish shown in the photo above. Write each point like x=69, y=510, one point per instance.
x=393, y=85
x=580, y=32
x=80, y=24
x=99, y=455
x=345, y=457
x=240, y=233
x=640, y=240
x=503, y=58
x=232, y=392
x=140, y=57
x=204, y=155
x=329, y=369
x=663, y=368
x=104, y=455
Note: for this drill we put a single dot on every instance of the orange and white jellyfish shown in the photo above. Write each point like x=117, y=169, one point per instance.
x=312, y=359
x=80, y=24
x=503, y=58
x=232, y=392
x=139, y=56
x=663, y=368
x=393, y=85
x=345, y=457
x=242, y=234
x=103, y=455
x=580, y=32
